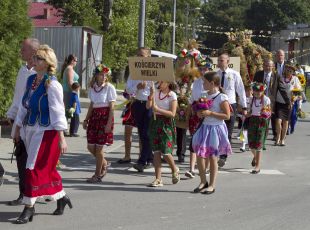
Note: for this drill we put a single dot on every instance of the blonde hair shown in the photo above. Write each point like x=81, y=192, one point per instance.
x=50, y=57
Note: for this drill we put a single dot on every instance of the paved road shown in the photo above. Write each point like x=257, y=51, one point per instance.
x=277, y=198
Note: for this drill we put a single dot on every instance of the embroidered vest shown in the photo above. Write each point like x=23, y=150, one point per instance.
x=36, y=102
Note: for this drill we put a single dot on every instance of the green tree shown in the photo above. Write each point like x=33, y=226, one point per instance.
x=14, y=27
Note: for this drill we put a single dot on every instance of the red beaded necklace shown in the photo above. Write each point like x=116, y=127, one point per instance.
x=100, y=88
x=162, y=97
x=35, y=83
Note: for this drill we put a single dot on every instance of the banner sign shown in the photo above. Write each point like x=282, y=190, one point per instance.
x=151, y=68
x=234, y=63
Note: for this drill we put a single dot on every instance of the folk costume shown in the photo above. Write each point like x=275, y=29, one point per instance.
x=41, y=116
x=211, y=138
x=260, y=111
x=100, y=96
x=163, y=129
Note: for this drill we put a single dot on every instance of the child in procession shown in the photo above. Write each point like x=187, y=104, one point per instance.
x=99, y=121
x=211, y=139
x=162, y=129
x=260, y=112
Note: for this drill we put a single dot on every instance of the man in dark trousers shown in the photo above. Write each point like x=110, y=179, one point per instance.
x=274, y=85
x=28, y=49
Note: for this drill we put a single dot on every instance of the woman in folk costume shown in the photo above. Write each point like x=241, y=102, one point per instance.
x=186, y=73
x=260, y=112
x=41, y=123
x=99, y=121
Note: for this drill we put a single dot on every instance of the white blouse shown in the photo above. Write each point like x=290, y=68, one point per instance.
x=216, y=107
x=257, y=105
x=163, y=101
x=102, y=96
x=197, y=90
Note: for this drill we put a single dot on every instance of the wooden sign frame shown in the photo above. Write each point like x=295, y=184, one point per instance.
x=151, y=68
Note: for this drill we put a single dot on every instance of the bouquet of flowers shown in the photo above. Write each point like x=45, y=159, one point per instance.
x=301, y=114
x=296, y=93
x=203, y=103
x=302, y=79
x=182, y=107
x=266, y=112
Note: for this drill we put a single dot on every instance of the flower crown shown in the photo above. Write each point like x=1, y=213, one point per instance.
x=257, y=86
x=204, y=61
x=101, y=68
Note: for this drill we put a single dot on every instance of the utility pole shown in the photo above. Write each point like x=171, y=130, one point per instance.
x=173, y=26
x=186, y=21
x=141, y=24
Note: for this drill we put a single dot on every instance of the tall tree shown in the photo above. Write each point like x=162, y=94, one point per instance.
x=14, y=27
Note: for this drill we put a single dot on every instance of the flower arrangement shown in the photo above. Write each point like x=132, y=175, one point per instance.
x=265, y=112
x=301, y=114
x=296, y=93
x=302, y=79
x=101, y=68
x=182, y=108
x=203, y=103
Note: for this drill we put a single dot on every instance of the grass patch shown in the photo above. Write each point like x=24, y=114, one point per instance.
x=120, y=86
x=308, y=93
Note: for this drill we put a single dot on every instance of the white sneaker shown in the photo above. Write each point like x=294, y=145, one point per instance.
x=156, y=183
x=190, y=174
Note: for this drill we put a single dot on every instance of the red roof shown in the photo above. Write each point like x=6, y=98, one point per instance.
x=43, y=14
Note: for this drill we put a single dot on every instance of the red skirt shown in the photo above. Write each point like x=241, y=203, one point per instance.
x=193, y=123
x=96, y=125
x=44, y=180
x=128, y=116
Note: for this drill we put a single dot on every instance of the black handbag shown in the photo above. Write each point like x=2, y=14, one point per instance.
x=18, y=149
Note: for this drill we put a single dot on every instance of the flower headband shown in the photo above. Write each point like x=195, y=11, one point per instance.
x=204, y=62
x=256, y=86
x=101, y=68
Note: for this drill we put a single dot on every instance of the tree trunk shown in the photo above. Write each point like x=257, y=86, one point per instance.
x=107, y=14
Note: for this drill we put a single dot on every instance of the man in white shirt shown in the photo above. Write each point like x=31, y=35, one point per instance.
x=28, y=49
x=232, y=84
x=141, y=115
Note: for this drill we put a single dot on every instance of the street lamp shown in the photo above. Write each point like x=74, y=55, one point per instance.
x=186, y=18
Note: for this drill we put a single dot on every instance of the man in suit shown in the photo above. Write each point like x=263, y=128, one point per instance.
x=280, y=62
x=274, y=85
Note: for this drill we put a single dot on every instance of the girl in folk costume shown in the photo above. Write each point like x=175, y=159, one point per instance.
x=186, y=73
x=162, y=129
x=260, y=112
x=99, y=121
x=204, y=65
x=41, y=123
x=211, y=138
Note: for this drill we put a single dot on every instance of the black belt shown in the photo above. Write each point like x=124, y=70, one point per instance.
x=140, y=101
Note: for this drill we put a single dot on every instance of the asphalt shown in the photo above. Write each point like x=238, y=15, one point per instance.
x=277, y=198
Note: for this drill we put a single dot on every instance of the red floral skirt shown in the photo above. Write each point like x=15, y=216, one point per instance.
x=127, y=116
x=96, y=125
x=193, y=123
x=44, y=180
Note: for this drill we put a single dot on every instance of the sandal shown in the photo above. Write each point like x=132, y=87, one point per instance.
x=176, y=176
x=94, y=179
x=104, y=172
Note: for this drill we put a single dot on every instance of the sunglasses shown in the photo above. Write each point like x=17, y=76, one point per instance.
x=38, y=58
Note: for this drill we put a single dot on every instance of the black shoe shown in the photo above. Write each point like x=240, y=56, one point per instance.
x=221, y=162
x=181, y=159
x=206, y=192
x=198, y=190
x=255, y=171
x=123, y=161
x=18, y=201
x=25, y=216
x=138, y=167
x=61, y=204
x=253, y=162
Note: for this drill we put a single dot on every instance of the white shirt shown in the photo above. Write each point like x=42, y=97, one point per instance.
x=101, y=97
x=19, y=91
x=280, y=68
x=197, y=90
x=141, y=94
x=267, y=80
x=257, y=105
x=216, y=107
x=163, y=101
x=233, y=84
